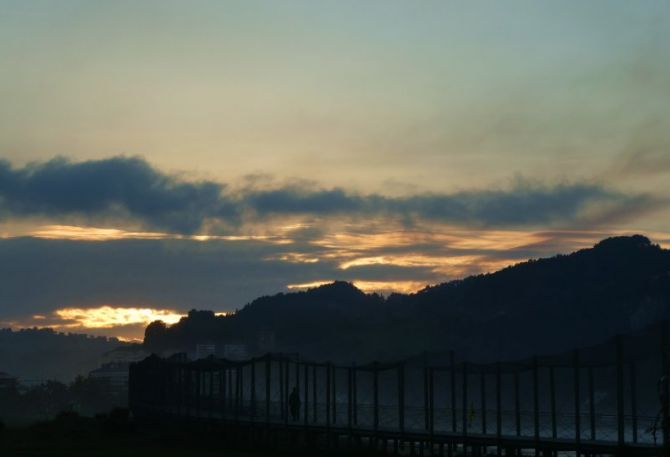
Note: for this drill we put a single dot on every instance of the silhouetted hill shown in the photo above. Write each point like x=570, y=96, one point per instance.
x=319, y=317
x=41, y=354
x=549, y=305
x=538, y=306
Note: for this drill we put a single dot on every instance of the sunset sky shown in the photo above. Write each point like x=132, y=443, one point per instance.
x=158, y=156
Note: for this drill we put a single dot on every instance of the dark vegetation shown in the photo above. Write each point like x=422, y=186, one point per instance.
x=539, y=306
x=106, y=435
x=117, y=435
x=37, y=354
x=85, y=396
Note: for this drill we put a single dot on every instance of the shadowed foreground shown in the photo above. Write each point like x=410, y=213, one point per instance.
x=70, y=435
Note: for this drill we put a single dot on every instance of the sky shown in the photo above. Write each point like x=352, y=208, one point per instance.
x=158, y=156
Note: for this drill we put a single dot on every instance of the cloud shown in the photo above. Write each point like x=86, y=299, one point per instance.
x=522, y=205
x=118, y=321
x=644, y=160
x=525, y=204
x=43, y=275
x=119, y=186
x=114, y=282
x=109, y=316
x=123, y=189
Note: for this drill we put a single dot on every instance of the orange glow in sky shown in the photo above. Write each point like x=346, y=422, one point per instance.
x=369, y=286
x=72, y=232
x=438, y=254
x=108, y=316
x=159, y=156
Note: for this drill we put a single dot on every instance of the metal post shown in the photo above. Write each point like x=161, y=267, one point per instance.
x=401, y=397
x=552, y=398
x=620, y=391
x=314, y=397
x=328, y=395
x=452, y=363
x=431, y=402
x=282, y=406
x=665, y=393
x=578, y=422
x=231, y=397
x=210, y=392
x=180, y=390
x=334, y=389
x=238, y=392
x=592, y=404
x=189, y=390
x=268, y=393
x=465, y=398
x=517, y=404
x=253, y=390
x=633, y=399
x=306, y=412
x=241, y=387
x=375, y=399
x=498, y=405
x=197, y=392
x=297, y=379
x=297, y=374
x=350, y=398
x=536, y=401
x=355, y=400
x=185, y=394
x=483, y=400
x=426, y=413
x=222, y=389
x=286, y=389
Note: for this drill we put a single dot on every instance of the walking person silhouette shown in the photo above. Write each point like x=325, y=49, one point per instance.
x=294, y=404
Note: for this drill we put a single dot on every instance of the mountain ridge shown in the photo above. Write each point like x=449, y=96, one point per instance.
x=543, y=305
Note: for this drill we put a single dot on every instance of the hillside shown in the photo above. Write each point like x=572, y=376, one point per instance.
x=40, y=354
x=538, y=306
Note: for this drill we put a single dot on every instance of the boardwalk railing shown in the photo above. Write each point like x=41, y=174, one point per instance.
x=606, y=399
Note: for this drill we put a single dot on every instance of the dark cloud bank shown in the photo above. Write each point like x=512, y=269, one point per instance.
x=123, y=187
x=41, y=275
